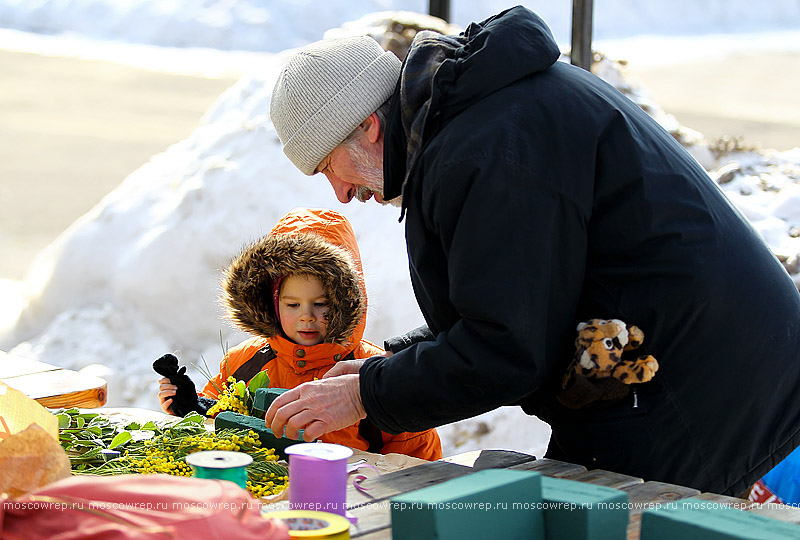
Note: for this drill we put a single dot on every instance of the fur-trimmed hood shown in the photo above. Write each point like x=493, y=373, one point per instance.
x=315, y=242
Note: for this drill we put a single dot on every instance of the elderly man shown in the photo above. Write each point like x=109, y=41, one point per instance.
x=536, y=197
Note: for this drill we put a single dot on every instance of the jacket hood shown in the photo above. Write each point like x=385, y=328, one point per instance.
x=314, y=242
x=443, y=75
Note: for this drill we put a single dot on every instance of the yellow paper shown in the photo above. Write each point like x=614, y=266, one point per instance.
x=18, y=411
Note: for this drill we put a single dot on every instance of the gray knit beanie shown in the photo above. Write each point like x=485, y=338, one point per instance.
x=325, y=91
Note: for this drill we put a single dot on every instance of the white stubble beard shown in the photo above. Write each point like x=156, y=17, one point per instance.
x=370, y=170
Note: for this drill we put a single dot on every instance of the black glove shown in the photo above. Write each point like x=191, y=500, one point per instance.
x=583, y=393
x=185, y=399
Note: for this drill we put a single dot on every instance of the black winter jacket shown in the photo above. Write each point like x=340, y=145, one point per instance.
x=537, y=196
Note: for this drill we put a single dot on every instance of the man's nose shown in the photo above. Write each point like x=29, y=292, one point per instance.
x=345, y=191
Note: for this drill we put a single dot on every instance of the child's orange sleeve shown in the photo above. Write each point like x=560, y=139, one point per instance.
x=234, y=358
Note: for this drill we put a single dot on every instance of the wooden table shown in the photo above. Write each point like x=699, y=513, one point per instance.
x=373, y=513
x=50, y=385
x=372, y=508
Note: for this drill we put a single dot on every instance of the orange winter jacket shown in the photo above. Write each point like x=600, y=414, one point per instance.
x=296, y=364
x=320, y=243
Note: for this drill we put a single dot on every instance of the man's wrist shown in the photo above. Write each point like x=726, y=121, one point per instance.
x=357, y=402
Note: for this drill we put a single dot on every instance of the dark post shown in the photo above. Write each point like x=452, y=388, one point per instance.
x=440, y=8
x=581, y=54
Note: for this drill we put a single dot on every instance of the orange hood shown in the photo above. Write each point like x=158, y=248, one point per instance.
x=311, y=241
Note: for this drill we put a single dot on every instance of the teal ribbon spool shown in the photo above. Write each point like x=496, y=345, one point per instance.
x=220, y=465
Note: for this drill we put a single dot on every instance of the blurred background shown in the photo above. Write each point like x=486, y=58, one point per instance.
x=87, y=96
x=137, y=157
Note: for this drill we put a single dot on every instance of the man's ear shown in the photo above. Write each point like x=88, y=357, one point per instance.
x=372, y=128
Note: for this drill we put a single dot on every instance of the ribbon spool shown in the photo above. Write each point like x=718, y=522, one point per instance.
x=318, y=477
x=311, y=525
x=220, y=465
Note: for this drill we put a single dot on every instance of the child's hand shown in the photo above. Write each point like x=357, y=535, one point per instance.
x=165, y=392
x=344, y=367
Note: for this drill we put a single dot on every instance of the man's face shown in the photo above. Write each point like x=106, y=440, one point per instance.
x=355, y=169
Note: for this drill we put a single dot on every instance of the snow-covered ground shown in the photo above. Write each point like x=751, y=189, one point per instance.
x=137, y=275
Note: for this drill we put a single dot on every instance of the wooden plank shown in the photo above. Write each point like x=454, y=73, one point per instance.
x=781, y=512
x=650, y=495
x=373, y=509
x=581, y=53
x=724, y=500
x=550, y=467
x=372, y=518
x=634, y=527
x=489, y=459
x=384, y=534
x=62, y=388
x=656, y=494
x=467, y=459
x=385, y=486
x=14, y=366
x=605, y=478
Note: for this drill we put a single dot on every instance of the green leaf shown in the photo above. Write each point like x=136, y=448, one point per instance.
x=261, y=380
x=133, y=425
x=80, y=422
x=72, y=430
x=149, y=426
x=193, y=417
x=94, y=430
x=100, y=422
x=120, y=439
x=63, y=420
x=239, y=389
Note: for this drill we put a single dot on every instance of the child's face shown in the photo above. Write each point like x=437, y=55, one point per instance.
x=302, y=306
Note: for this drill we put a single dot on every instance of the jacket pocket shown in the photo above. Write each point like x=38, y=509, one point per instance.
x=618, y=437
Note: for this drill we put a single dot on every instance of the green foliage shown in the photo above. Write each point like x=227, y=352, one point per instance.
x=97, y=445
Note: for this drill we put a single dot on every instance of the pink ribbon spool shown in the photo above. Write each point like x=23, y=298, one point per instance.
x=318, y=477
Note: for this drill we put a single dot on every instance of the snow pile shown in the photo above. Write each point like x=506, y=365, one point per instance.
x=765, y=186
x=138, y=275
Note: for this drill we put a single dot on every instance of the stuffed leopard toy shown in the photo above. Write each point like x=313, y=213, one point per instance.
x=598, y=372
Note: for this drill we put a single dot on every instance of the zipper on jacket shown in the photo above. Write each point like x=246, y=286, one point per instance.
x=635, y=399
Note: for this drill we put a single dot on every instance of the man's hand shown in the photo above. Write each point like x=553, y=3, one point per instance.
x=344, y=367
x=317, y=407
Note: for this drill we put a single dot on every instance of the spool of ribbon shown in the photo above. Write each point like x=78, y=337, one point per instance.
x=318, y=477
x=220, y=465
x=313, y=525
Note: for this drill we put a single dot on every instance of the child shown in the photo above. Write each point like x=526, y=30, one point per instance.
x=300, y=290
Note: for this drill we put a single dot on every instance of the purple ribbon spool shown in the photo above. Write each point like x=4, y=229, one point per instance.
x=318, y=477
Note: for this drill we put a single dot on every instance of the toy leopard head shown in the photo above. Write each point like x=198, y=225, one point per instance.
x=600, y=343
x=599, y=349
